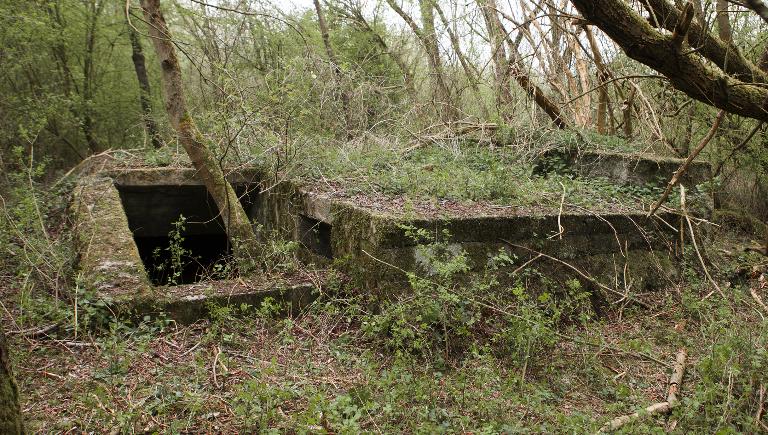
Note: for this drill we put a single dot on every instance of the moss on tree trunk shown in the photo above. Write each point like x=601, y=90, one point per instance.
x=10, y=412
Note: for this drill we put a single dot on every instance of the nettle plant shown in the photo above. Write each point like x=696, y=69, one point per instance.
x=172, y=266
x=450, y=308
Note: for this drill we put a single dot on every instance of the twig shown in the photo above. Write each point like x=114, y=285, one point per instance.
x=695, y=245
x=215, y=363
x=560, y=229
x=578, y=271
x=188, y=351
x=684, y=167
x=524, y=265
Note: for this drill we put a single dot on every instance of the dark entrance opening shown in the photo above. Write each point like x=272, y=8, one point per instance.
x=315, y=235
x=178, y=231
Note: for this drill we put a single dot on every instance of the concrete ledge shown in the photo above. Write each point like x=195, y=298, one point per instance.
x=189, y=303
x=368, y=241
x=623, y=168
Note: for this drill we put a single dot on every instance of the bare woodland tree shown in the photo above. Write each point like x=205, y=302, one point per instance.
x=325, y=34
x=140, y=66
x=236, y=222
x=428, y=38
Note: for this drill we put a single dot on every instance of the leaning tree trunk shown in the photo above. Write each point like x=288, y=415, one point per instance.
x=238, y=227
x=10, y=411
x=139, y=64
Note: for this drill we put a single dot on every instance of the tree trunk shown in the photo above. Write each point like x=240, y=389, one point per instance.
x=723, y=23
x=10, y=411
x=238, y=227
x=139, y=64
x=94, y=10
x=335, y=65
x=583, y=104
x=503, y=90
x=428, y=38
x=603, y=75
x=626, y=111
x=685, y=70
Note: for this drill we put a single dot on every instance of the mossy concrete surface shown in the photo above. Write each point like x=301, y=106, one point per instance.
x=109, y=260
x=191, y=302
x=639, y=169
x=613, y=249
x=626, y=249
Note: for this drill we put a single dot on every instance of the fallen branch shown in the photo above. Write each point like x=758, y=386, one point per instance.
x=657, y=408
x=677, y=376
x=756, y=296
x=35, y=332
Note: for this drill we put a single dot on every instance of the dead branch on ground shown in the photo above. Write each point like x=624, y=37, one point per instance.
x=657, y=408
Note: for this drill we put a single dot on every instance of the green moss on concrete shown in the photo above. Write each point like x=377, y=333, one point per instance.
x=109, y=261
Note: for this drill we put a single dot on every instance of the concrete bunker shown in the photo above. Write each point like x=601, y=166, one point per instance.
x=123, y=216
x=178, y=230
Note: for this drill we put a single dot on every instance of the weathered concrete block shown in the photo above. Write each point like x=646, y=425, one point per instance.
x=623, y=168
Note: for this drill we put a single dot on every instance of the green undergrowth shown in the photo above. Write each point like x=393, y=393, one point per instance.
x=497, y=352
x=325, y=372
x=457, y=169
x=465, y=172
x=504, y=350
